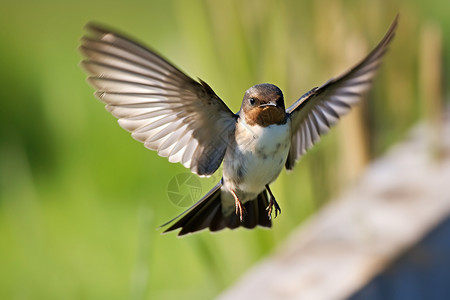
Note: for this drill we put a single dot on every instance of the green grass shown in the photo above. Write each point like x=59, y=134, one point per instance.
x=80, y=201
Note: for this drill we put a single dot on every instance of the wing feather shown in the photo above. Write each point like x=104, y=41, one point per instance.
x=182, y=119
x=315, y=112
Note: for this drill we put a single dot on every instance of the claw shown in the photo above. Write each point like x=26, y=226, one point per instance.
x=272, y=203
x=239, y=207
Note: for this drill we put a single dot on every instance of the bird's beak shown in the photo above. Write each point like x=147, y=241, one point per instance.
x=268, y=104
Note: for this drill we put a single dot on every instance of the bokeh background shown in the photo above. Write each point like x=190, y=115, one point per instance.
x=80, y=201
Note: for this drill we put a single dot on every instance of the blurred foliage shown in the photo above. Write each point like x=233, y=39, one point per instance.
x=80, y=200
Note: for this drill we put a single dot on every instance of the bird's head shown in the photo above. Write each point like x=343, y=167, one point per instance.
x=263, y=104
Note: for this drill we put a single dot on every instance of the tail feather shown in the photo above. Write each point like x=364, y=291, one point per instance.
x=187, y=216
x=218, y=222
x=251, y=216
x=200, y=219
x=263, y=203
x=207, y=213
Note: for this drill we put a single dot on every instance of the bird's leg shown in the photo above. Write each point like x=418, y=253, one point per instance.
x=272, y=203
x=239, y=207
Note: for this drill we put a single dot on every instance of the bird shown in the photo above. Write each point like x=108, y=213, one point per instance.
x=184, y=120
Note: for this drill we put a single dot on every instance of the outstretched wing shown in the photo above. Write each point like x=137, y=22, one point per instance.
x=315, y=112
x=182, y=119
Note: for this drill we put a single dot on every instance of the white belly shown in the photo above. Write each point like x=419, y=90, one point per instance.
x=257, y=158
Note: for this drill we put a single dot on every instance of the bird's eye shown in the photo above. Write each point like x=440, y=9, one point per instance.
x=252, y=101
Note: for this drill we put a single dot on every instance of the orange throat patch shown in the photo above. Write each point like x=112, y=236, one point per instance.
x=265, y=116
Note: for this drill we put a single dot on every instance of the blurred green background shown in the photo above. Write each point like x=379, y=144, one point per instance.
x=80, y=200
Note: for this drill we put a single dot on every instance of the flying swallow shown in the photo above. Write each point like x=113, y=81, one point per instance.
x=185, y=121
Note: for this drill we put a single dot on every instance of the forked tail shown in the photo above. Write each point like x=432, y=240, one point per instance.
x=207, y=213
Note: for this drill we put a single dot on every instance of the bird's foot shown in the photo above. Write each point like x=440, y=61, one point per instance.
x=272, y=203
x=239, y=208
